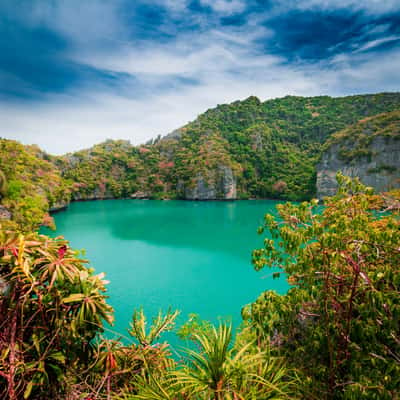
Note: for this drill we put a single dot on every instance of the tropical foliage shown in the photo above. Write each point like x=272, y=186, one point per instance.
x=219, y=372
x=162, y=323
x=30, y=185
x=339, y=323
x=51, y=308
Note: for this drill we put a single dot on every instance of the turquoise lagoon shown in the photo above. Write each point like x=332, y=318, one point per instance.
x=188, y=255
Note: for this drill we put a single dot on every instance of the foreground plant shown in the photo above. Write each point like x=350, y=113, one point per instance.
x=51, y=307
x=161, y=323
x=339, y=323
x=218, y=371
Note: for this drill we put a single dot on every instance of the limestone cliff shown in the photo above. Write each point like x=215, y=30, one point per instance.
x=369, y=150
x=220, y=184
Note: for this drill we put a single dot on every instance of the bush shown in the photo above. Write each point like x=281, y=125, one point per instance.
x=339, y=322
x=51, y=307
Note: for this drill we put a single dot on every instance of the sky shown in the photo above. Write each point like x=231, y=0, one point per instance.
x=77, y=72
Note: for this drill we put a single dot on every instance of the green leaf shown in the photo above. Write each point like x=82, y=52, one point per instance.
x=28, y=390
x=73, y=298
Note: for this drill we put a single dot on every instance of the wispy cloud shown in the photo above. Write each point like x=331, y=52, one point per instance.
x=378, y=42
x=370, y=6
x=227, y=7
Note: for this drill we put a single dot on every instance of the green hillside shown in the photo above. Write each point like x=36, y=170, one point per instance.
x=31, y=184
x=280, y=140
x=249, y=148
x=272, y=148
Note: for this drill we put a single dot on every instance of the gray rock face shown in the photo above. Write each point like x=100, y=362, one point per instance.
x=175, y=135
x=4, y=213
x=140, y=195
x=380, y=171
x=99, y=193
x=201, y=191
x=221, y=185
x=62, y=205
x=228, y=183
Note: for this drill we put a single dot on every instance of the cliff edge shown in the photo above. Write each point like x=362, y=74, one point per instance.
x=369, y=150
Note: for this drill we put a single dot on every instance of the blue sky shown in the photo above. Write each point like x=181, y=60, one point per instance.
x=73, y=73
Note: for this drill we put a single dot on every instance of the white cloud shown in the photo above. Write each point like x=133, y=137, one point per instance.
x=66, y=123
x=175, y=6
x=172, y=83
x=377, y=42
x=83, y=22
x=192, y=56
x=369, y=6
x=227, y=7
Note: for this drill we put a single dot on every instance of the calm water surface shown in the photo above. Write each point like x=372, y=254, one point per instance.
x=192, y=256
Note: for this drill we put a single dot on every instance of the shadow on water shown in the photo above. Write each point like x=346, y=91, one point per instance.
x=211, y=226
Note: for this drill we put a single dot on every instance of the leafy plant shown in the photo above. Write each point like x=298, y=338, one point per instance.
x=161, y=323
x=51, y=308
x=338, y=324
x=219, y=371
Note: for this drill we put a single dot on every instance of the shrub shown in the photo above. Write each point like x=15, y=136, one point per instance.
x=339, y=322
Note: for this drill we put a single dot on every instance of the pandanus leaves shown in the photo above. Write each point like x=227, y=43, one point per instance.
x=162, y=323
x=219, y=371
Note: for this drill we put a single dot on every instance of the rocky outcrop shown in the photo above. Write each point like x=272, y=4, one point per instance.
x=221, y=185
x=140, y=195
x=60, y=206
x=378, y=167
x=100, y=192
x=174, y=135
x=4, y=213
x=227, y=183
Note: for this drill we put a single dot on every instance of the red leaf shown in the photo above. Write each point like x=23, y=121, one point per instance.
x=61, y=251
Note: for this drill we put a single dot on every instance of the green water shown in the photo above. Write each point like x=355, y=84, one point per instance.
x=192, y=256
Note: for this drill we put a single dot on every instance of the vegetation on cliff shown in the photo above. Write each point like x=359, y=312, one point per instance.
x=368, y=150
x=355, y=140
x=272, y=149
x=247, y=149
x=30, y=185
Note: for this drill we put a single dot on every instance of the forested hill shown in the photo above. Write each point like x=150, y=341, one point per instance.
x=247, y=149
x=273, y=146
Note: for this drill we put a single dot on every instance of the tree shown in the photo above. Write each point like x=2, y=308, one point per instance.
x=3, y=184
x=339, y=322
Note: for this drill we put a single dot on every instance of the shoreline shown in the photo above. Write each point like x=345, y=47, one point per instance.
x=55, y=210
